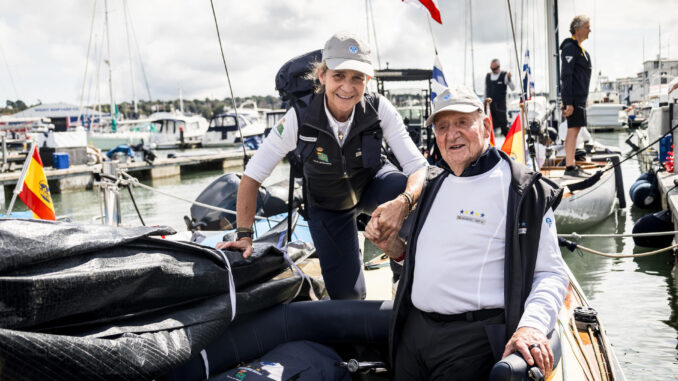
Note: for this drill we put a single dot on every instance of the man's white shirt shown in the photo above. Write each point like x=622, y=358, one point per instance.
x=283, y=139
x=507, y=81
x=461, y=250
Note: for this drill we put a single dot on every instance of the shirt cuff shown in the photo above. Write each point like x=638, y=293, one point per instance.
x=533, y=324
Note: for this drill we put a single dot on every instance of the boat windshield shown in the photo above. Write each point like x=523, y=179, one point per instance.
x=223, y=123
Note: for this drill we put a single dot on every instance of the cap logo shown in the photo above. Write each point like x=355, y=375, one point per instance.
x=353, y=49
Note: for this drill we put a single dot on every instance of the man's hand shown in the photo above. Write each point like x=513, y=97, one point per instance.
x=569, y=109
x=508, y=75
x=393, y=247
x=243, y=244
x=534, y=346
x=390, y=216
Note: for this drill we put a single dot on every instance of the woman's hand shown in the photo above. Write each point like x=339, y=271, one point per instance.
x=244, y=244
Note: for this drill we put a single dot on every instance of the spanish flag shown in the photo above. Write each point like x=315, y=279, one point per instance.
x=492, y=143
x=35, y=191
x=513, y=145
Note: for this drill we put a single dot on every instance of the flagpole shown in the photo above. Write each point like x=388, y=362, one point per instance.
x=430, y=29
x=20, y=183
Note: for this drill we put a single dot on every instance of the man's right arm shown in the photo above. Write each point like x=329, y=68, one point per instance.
x=567, y=60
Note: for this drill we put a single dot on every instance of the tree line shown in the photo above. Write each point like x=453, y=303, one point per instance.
x=205, y=107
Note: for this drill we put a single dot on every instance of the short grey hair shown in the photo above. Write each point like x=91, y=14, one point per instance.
x=495, y=60
x=313, y=75
x=578, y=22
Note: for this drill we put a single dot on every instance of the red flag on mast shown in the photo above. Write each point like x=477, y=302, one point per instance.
x=430, y=5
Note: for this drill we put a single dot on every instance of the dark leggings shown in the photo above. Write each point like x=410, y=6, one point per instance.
x=335, y=235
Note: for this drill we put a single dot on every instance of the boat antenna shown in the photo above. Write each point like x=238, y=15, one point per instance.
x=84, y=78
x=228, y=77
x=522, y=89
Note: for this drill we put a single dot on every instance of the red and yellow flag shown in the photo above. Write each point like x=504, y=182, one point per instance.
x=513, y=145
x=35, y=192
x=492, y=143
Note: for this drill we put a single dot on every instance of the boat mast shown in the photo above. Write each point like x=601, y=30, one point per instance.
x=110, y=72
x=129, y=55
x=553, y=54
x=473, y=70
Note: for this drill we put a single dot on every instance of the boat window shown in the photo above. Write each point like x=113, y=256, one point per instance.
x=193, y=126
x=243, y=122
x=215, y=121
x=158, y=126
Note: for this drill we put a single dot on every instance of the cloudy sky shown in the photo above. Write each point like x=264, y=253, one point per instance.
x=43, y=44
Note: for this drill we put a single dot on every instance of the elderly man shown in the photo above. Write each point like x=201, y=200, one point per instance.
x=483, y=275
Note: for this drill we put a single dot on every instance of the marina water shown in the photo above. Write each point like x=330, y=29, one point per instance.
x=636, y=298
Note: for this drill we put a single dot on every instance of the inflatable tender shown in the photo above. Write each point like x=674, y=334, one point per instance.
x=101, y=302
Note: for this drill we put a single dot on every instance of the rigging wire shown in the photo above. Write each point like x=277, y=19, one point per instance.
x=473, y=70
x=84, y=77
x=141, y=61
x=228, y=77
x=9, y=72
x=129, y=57
x=374, y=32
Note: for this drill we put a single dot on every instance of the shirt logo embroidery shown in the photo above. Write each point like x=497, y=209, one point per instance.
x=568, y=59
x=321, y=155
x=471, y=216
x=549, y=221
x=280, y=127
x=523, y=228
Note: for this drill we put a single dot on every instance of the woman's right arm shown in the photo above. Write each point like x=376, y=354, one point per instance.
x=281, y=140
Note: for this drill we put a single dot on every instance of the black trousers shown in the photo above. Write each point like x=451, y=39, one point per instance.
x=438, y=350
x=499, y=119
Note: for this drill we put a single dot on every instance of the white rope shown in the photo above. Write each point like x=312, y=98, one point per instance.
x=297, y=271
x=614, y=255
x=231, y=283
x=577, y=236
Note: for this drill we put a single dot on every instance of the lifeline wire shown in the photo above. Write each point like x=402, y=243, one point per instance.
x=575, y=235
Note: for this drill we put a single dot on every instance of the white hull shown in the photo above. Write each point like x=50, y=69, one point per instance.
x=587, y=207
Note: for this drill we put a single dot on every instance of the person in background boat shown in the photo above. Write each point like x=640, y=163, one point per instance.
x=483, y=275
x=344, y=172
x=495, y=88
x=575, y=77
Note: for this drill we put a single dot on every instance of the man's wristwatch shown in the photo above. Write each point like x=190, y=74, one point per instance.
x=243, y=232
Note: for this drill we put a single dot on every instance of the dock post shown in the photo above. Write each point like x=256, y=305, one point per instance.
x=4, y=152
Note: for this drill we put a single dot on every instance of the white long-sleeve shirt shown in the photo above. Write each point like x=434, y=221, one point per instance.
x=283, y=139
x=461, y=249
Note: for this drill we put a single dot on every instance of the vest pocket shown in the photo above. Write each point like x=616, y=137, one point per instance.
x=371, y=148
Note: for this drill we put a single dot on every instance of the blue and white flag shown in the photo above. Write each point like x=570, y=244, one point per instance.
x=439, y=84
x=528, y=81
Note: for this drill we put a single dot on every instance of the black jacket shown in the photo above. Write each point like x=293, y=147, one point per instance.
x=530, y=197
x=575, y=74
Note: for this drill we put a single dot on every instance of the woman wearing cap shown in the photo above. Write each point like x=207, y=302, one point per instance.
x=340, y=139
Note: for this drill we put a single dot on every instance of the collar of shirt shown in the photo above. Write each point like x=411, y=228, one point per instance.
x=336, y=125
x=579, y=43
x=484, y=163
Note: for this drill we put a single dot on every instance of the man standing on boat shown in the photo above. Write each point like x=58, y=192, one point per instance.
x=575, y=77
x=483, y=275
x=495, y=89
x=339, y=141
